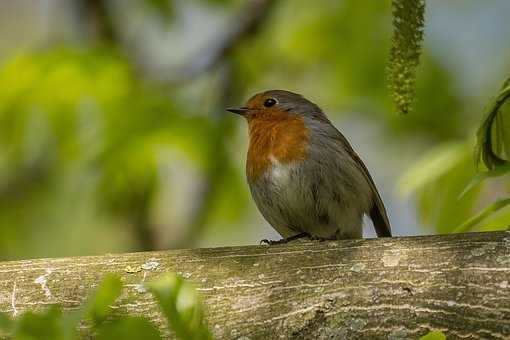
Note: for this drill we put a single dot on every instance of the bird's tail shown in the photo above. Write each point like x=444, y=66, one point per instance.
x=380, y=218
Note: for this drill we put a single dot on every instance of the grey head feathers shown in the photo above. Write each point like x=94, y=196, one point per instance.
x=296, y=104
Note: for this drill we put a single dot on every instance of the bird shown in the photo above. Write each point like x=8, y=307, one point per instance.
x=304, y=176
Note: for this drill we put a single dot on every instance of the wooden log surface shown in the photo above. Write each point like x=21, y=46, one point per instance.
x=398, y=288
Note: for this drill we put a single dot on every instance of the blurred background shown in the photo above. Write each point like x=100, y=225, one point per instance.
x=114, y=138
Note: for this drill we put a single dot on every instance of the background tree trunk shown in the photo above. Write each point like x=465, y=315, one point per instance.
x=395, y=288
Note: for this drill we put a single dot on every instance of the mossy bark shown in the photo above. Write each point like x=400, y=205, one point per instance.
x=398, y=288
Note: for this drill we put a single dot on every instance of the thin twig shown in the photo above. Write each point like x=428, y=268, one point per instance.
x=249, y=22
x=97, y=22
x=217, y=157
x=245, y=24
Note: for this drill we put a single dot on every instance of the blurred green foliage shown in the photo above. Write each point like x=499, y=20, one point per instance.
x=177, y=299
x=81, y=115
x=452, y=187
x=165, y=8
x=434, y=335
x=181, y=306
x=96, y=155
x=439, y=177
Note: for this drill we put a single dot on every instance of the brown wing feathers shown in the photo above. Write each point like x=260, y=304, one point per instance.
x=377, y=213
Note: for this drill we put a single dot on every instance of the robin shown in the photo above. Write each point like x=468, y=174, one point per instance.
x=305, y=178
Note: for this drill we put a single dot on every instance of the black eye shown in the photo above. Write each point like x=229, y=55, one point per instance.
x=269, y=102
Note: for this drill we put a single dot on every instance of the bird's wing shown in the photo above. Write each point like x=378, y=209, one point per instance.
x=378, y=213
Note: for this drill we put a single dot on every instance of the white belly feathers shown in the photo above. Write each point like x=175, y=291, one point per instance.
x=279, y=173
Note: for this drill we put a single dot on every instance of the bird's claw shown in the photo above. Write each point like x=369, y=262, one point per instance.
x=283, y=240
x=272, y=242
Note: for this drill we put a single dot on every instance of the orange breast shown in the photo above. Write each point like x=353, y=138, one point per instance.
x=282, y=137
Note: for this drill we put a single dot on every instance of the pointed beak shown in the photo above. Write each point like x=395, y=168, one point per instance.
x=240, y=111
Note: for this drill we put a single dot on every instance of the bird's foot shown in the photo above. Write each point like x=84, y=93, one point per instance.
x=284, y=240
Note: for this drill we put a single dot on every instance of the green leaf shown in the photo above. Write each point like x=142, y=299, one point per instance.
x=495, y=222
x=108, y=291
x=434, y=335
x=40, y=326
x=408, y=24
x=129, y=328
x=181, y=306
x=431, y=166
x=96, y=308
x=492, y=133
x=482, y=215
x=437, y=179
x=482, y=176
x=6, y=324
x=69, y=323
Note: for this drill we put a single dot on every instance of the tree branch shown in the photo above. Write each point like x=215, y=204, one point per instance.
x=97, y=22
x=372, y=289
